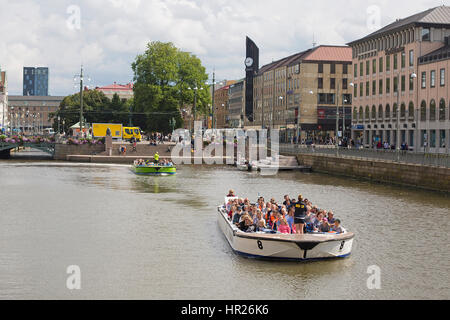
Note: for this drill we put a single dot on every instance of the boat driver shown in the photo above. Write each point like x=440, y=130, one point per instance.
x=299, y=214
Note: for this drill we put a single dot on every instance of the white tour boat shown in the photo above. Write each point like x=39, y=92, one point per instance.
x=280, y=246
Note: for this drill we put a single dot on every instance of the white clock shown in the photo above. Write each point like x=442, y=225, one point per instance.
x=248, y=62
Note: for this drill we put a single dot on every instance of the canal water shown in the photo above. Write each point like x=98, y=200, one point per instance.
x=137, y=237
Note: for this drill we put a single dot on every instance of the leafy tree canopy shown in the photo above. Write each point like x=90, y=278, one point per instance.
x=165, y=78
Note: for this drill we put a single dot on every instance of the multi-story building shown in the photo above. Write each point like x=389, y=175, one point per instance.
x=400, y=83
x=3, y=101
x=124, y=91
x=221, y=105
x=31, y=114
x=300, y=94
x=35, y=81
x=236, y=105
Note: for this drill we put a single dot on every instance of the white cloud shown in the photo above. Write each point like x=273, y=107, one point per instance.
x=113, y=32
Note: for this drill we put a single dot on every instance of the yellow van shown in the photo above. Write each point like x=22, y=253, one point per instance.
x=129, y=132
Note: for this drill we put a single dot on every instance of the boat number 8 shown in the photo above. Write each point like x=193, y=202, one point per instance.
x=342, y=245
x=260, y=244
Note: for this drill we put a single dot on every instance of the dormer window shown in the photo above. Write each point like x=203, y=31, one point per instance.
x=425, y=34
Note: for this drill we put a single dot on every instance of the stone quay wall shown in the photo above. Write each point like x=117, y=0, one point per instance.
x=425, y=177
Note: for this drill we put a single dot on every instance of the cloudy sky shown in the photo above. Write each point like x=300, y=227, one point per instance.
x=106, y=35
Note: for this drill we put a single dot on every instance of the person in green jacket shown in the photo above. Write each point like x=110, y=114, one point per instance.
x=156, y=157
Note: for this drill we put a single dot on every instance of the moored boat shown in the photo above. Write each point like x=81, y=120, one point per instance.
x=279, y=246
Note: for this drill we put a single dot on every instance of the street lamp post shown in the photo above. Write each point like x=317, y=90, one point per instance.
x=81, y=77
x=59, y=119
x=337, y=120
x=195, y=100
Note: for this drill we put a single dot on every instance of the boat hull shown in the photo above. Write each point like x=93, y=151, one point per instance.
x=285, y=246
x=154, y=170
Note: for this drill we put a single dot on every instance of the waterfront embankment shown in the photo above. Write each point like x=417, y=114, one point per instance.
x=405, y=174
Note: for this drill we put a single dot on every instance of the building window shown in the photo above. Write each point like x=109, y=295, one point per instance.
x=424, y=80
x=403, y=83
x=380, y=64
x=344, y=84
x=388, y=63
x=411, y=83
x=442, y=77
x=367, y=68
x=345, y=68
x=442, y=110
x=380, y=112
x=394, y=111
x=374, y=66
x=432, y=78
x=367, y=115
x=361, y=89
x=380, y=86
x=411, y=58
x=355, y=90
x=387, y=113
x=374, y=113
x=402, y=111
x=395, y=62
x=367, y=88
x=395, y=84
x=425, y=34
x=332, y=83
x=355, y=72
x=442, y=138
x=423, y=110
x=332, y=68
x=361, y=69
x=388, y=85
x=411, y=111
x=320, y=83
x=432, y=110
x=374, y=87
x=403, y=60
x=432, y=138
x=320, y=68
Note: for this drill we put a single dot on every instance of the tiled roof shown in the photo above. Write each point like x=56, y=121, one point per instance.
x=116, y=86
x=320, y=53
x=283, y=62
x=330, y=53
x=437, y=15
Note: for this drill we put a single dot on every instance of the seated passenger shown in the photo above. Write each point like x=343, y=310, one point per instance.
x=284, y=227
x=330, y=218
x=261, y=225
x=231, y=193
x=324, y=226
x=246, y=224
x=337, y=226
x=237, y=216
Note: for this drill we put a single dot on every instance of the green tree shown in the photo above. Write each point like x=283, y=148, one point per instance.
x=163, y=76
x=97, y=108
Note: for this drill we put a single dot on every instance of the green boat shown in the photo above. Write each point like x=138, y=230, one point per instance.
x=154, y=169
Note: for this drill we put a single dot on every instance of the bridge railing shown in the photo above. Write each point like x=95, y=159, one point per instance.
x=421, y=158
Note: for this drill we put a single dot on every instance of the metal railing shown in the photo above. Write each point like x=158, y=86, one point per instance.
x=420, y=158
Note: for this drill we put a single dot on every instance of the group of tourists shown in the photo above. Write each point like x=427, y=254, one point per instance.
x=156, y=161
x=292, y=216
